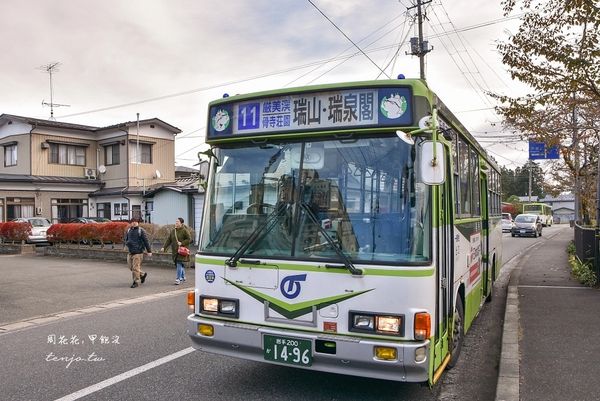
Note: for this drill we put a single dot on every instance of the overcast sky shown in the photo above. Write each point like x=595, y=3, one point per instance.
x=188, y=52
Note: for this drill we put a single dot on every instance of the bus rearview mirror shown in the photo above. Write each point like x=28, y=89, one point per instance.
x=432, y=163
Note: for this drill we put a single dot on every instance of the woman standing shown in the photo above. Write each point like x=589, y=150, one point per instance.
x=179, y=237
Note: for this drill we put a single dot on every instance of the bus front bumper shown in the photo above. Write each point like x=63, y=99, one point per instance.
x=353, y=355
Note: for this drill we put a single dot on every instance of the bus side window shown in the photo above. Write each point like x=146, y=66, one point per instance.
x=464, y=174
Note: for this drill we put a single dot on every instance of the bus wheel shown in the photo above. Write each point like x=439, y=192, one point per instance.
x=458, y=333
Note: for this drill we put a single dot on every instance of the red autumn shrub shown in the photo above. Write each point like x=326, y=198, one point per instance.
x=89, y=232
x=112, y=232
x=54, y=233
x=15, y=231
x=70, y=231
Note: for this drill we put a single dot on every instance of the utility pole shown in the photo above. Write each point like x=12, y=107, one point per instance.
x=419, y=47
x=576, y=161
x=530, y=179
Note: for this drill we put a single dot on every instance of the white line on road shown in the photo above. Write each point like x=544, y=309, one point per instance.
x=555, y=286
x=124, y=376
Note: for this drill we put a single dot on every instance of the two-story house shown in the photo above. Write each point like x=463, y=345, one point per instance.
x=61, y=171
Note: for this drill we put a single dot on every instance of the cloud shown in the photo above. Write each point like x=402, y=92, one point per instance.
x=115, y=52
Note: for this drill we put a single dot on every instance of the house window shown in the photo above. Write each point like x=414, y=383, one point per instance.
x=10, y=155
x=117, y=209
x=112, y=154
x=19, y=207
x=63, y=210
x=103, y=210
x=1, y=210
x=67, y=154
x=145, y=155
x=136, y=211
x=149, y=209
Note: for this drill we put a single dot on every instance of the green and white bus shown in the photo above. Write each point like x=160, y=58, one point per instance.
x=351, y=228
x=542, y=210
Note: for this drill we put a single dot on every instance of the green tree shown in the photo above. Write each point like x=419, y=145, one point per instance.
x=516, y=182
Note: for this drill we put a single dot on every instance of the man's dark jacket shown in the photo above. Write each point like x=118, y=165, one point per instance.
x=136, y=241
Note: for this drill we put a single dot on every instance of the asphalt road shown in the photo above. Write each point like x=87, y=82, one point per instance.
x=130, y=336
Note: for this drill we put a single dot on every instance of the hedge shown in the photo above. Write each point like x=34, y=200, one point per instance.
x=13, y=231
x=104, y=233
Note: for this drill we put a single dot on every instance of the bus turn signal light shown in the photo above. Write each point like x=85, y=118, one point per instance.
x=422, y=326
x=191, y=300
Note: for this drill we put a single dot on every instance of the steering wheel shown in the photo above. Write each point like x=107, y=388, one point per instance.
x=259, y=206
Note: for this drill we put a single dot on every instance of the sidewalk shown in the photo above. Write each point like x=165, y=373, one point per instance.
x=551, y=340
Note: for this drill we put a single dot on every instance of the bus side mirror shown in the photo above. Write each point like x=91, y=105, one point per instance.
x=432, y=163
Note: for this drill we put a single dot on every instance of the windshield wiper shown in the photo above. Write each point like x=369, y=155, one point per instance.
x=338, y=250
x=259, y=232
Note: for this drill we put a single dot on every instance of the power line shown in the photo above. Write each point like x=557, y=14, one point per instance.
x=276, y=72
x=347, y=49
x=347, y=37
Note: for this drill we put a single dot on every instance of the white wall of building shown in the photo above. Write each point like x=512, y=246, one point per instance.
x=169, y=205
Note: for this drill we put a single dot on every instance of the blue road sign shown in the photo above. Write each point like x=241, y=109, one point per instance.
x=538, y=151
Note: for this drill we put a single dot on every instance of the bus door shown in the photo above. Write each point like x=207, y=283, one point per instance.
x=485, y=236
x=445, y=263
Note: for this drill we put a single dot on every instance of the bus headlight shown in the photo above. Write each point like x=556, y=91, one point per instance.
x=210, y=305
x=388, y=324
x=228, y=306
x=363, y=322
x=376, y=323
x=220, y=306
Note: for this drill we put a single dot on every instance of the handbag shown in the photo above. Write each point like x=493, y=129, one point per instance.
x=182, y=250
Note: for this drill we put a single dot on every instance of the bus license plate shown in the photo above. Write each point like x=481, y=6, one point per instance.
x=287, y=350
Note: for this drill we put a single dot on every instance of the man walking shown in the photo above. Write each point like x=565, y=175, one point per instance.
x=136, y=241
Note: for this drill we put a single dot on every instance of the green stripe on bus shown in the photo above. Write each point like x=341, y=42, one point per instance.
x=320, y=268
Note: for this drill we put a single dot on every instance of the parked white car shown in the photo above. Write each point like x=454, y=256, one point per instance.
x=39, y=227
x=507, y=222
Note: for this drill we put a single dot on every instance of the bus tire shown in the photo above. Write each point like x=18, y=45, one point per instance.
x=458, y=333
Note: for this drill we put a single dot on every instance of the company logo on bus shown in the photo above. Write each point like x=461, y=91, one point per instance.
x=221, y=120
x=393, y=106
x=209, y=276
x=290, y=285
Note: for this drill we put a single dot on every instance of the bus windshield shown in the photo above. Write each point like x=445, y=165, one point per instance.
x=314, y=200
x=534, y=209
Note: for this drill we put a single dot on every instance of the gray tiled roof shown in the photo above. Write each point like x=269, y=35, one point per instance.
x=91, y=129
x=46, y=179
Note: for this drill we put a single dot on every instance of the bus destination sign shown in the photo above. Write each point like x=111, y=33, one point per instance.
x=315, y=111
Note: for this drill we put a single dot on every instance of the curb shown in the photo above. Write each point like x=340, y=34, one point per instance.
x=507, y=388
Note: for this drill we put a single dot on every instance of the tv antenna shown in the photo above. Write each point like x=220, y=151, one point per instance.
x=51, y=68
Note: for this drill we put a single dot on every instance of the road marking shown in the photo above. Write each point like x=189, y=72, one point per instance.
x=124, y=376
x=555, y=286
x=39, y=320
